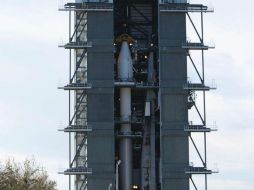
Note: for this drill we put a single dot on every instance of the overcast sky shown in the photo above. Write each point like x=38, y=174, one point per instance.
x=31, y=107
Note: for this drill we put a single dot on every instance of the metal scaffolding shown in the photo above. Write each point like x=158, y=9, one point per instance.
x=200, y=87
x=78, y=86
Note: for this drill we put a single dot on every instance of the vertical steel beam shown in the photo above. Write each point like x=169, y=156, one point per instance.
x=70, y=98
x=204, y=96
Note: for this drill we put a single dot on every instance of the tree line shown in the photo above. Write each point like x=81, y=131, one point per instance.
x=24, y=176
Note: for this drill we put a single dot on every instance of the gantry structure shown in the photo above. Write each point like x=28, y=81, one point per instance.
x=130, y=97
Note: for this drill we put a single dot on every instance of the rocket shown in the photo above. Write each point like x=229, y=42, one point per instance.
x=125, y=73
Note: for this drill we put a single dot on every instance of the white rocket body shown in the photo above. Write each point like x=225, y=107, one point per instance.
x=125, y=74
x=125, y=65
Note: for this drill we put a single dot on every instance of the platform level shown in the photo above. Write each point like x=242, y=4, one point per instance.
x=198, y=87
x=92, y=6
x=196, y=46
x=198, y=128
x=77, y=128
x=77, y=171
x=76, y=86
x=129, y=135
x=77, y=45
x=198, y=170
x=133, y=84
x=184, y=7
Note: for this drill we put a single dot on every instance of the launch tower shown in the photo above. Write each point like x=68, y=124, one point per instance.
x=129, y=95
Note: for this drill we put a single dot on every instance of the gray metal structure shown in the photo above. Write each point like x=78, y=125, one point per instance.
x=152, y=142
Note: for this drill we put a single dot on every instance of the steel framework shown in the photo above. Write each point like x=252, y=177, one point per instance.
x=78, y=86
x=197, y=87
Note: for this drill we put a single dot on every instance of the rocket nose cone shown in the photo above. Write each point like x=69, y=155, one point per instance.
x=125, y=62
x=124, y=53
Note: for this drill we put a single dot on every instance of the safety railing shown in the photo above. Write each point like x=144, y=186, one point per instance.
x=76, y=86
x=86, y=6
x=76, y=171
x=76, y=45
x=185, y=7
